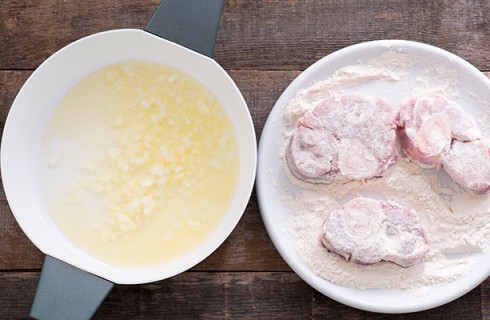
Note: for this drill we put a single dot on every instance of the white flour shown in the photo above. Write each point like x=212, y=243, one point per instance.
x=455, y=221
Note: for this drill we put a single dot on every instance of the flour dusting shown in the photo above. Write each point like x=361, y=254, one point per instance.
x=456, y=222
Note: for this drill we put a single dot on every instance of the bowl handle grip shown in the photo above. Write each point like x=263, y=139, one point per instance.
x=66, y=292
x=191, y=23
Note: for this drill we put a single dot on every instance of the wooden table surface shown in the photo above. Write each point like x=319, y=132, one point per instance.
x=263, y=44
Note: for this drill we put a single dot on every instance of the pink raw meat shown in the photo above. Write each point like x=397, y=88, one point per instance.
x=428, y=124
x=344, y=138
x=435, y=132
x=468, y=163
x=368, y=231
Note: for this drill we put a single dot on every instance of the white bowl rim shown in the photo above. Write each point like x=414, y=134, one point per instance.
x=125, y=44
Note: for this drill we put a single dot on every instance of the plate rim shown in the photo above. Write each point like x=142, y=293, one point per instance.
x=262, y=176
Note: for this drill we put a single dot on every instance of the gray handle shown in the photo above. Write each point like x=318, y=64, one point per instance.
x=66, y=292
x=191, y=23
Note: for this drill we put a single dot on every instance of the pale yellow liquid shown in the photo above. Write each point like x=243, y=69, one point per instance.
x=141, y=164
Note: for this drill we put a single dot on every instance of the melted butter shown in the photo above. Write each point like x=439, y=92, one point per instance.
x=141, y=164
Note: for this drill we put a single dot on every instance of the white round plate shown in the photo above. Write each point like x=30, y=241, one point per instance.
x=272, y=182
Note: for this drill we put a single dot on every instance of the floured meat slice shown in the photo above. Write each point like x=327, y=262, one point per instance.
x=344, y=138
x=435, y=132
x=368, y=231
x=428, y=124
x=468, y=163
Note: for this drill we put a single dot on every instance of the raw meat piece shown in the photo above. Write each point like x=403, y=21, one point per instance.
x=468, y=163
x=428, y=124
x=435, y=132
x=368, y=231
x=431, y=141
x=344, y=138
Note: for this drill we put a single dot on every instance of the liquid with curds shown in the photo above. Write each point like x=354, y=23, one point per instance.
x=141, y=164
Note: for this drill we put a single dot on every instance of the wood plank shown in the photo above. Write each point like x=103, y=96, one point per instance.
x=258, y=296
x=485, y=299
x=10, y=84
x=17, y=291
x=261, y=89
x=228, y=295
x=33, y=30
x=16, y=251
x=256, y=35
x=192, y=295
x=312, y=29
x=466, y=307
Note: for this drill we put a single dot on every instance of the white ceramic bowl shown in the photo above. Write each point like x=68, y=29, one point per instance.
x=273, y=183
x=31, y=111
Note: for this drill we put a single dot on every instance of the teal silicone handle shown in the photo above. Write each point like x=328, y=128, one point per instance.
x=66, y=292
x=190, y=23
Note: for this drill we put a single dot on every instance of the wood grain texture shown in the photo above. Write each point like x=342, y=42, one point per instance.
x=485, y=299
x=289, y=35
x=256, y=35
x=223, y=295
x=16, y=251
x=33, y=30
x=263, y=45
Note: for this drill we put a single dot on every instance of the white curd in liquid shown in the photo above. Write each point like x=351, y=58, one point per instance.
x=141, y=164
